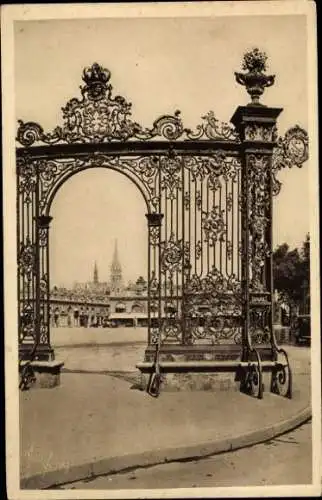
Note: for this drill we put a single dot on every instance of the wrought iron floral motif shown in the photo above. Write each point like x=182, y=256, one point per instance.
x=171, y=330
x=154, y=235
x=213, y=306
x=255, y=80
x=27, y=175
x=211, y=128
x=259, y=329
x=27, y=320
x=171, y=169
x=259, y=205
x=27, y=259
x=215, y=165
x=198, y=249
x=214, y=225
x=171, y=255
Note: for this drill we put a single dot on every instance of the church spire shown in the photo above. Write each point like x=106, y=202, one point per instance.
x=95, y=277
x=116, y=263
x=116, y=271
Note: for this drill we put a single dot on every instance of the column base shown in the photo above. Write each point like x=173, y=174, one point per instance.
x=190, y=382
x=45, y=374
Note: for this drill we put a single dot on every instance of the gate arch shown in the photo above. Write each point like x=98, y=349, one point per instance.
x=53, y=185
x=209, y=213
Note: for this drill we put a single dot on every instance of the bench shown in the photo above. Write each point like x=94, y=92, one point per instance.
x=249, y=373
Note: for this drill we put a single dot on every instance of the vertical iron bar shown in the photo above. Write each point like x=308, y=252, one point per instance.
x=48, y=288
x=37, y=258
x=239, y=208
x=232, y=228
x=201, y=236
x=245, y=255
x=195, y=221
x=149, y=284
x=182, y=312
x=226, y=259
x=207, y=210
x=214, y=243
x=269, y=260
x=220, y=243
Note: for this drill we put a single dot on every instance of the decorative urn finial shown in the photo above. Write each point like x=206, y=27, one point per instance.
x=96, y=81
x=255, y=80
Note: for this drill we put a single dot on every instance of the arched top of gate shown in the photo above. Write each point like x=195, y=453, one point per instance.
x=100, y=117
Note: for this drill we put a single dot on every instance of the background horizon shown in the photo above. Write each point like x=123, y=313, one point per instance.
x=166, y=64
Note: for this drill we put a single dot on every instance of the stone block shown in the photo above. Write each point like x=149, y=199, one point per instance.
x=47, y=373
x=175, y=382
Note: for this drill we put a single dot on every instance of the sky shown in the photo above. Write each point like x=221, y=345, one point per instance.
x=159, y=65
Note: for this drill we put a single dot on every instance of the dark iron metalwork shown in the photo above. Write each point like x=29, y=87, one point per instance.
x=208, y=197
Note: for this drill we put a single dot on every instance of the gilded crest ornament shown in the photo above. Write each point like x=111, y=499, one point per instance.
x=296, y=145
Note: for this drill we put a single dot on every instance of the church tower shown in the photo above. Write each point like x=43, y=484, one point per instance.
x=116, y=272
x=95, y=276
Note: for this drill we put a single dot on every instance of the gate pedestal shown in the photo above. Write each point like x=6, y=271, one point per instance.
x=40, y=374
x=176, y=382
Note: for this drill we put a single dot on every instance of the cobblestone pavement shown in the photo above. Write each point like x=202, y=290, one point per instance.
x=283, y=460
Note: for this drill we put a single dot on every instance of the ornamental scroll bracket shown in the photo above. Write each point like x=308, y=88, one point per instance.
x=100, y=117
x=291, y=150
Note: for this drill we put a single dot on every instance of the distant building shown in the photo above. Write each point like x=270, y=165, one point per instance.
x=100, y=300
x=94, y=287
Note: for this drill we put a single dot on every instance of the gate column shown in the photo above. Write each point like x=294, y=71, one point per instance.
x=256, y=125
x=40, y=349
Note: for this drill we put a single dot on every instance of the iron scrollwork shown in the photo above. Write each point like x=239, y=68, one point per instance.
x=281, y=381
x=27, y=259
x=194, y=294
x=99, y=117
x=213, y=306
x=214, y=225
x=211, y=128
x=291, y=150
x=171, y=255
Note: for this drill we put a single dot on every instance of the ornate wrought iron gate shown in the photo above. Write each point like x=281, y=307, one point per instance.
x=208, y=198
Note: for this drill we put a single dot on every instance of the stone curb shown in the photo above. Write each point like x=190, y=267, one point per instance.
x=155, y=457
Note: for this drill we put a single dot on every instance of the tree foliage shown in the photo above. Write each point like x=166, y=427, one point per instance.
x=291, y=271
